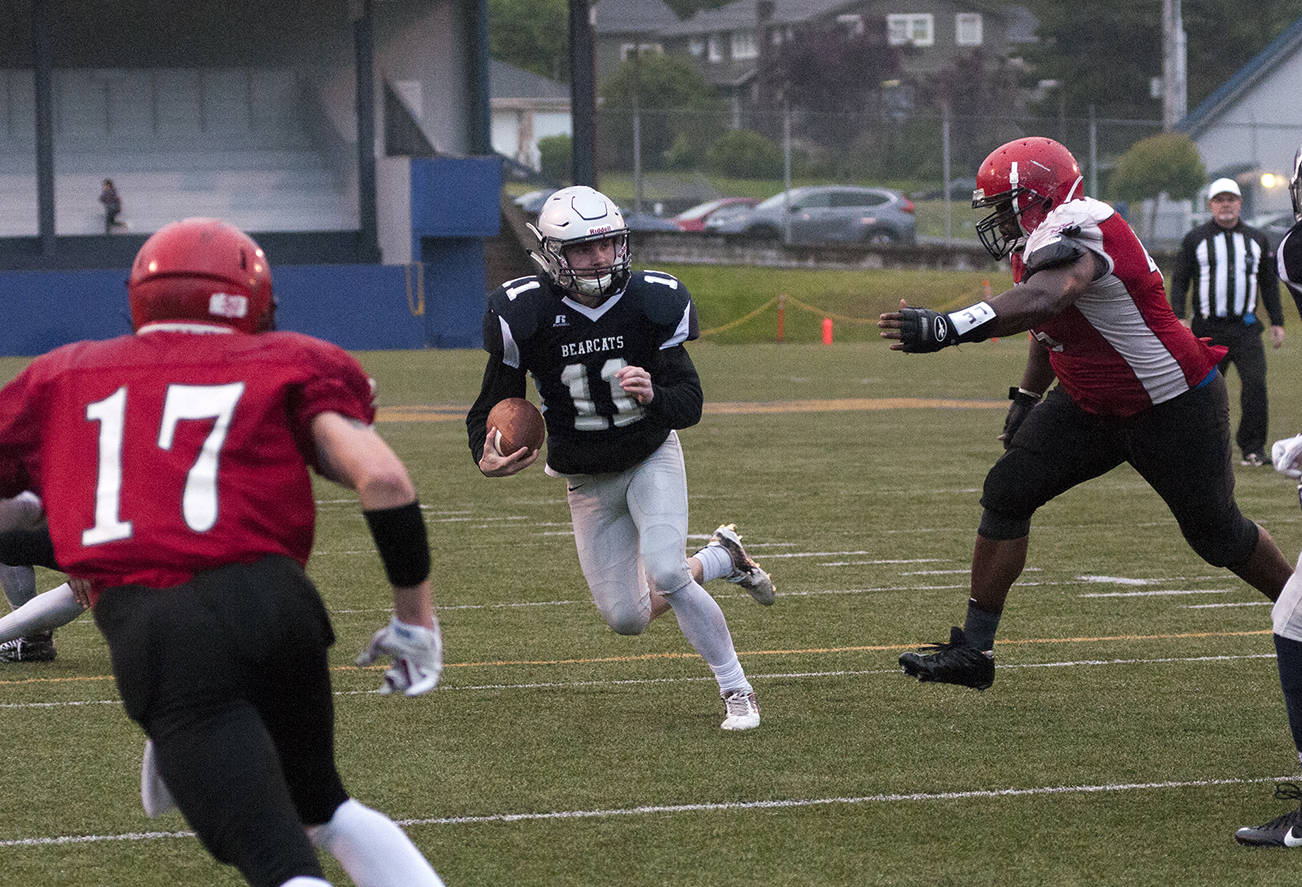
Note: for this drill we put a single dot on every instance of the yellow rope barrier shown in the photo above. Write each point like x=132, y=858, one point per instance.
x=740, y=320
x=844, y=318
x=787, y=299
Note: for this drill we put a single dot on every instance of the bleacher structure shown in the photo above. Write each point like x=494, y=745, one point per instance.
x=237, y=143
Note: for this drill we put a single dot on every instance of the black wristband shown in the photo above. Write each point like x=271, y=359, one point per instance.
x=403, y=544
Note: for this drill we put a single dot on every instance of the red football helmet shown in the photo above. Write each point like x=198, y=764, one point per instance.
x=1024, y=180
x=202, y=269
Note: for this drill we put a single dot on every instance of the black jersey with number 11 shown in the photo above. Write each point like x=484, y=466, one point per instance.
x=574, y=352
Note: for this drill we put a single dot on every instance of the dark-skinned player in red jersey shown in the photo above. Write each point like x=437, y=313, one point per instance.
x=1134, y=386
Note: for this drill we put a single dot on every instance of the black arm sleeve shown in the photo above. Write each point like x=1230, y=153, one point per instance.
x=28, y=548
x=500, y=382
x=677, y=387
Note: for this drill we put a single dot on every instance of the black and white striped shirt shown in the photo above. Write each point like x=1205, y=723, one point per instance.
x=1227, y=266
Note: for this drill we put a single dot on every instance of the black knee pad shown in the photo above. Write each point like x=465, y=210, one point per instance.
x=998, y=526
x=1225, y=546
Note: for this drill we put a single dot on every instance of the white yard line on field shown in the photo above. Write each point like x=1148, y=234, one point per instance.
x=728, y=806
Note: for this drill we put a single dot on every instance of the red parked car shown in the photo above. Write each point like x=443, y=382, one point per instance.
x=694, y=219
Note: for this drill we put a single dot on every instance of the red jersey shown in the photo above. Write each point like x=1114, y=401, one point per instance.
x=176, y=450
x=1118, y=349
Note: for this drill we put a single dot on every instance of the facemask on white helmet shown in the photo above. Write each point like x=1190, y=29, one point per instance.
x=575, y=216
x=1295, y=184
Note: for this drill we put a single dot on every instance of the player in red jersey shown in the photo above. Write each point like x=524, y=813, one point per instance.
x=174, y=464
x=1134, y=385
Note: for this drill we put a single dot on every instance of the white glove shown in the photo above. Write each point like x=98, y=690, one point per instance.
x=1284, y=455
x=417, y=654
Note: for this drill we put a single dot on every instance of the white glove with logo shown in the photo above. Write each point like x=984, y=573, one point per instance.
x=417, y=654
x=1284, y=455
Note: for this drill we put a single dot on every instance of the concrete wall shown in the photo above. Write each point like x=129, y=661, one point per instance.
x=436, y=302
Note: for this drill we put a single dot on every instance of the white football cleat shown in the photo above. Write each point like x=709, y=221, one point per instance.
x=745, y=572
x=743, y=710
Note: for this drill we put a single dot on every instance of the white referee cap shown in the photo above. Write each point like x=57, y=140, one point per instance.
x=1223, y=186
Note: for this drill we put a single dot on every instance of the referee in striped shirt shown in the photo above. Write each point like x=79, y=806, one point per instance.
x=1228, y=262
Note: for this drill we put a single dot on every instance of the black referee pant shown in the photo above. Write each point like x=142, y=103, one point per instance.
x=1248, y=355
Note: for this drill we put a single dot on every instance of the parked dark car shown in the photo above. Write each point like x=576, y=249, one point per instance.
x=647, y=221
x=1273, y=225
x=532, y=202
x=828, y=214
x=720, y=209
x=959, y=189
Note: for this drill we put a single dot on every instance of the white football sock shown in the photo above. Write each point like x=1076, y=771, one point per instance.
x=372, y=849
x=44, y=612
x=703, y=625
x=305, y=881
x=715, y=562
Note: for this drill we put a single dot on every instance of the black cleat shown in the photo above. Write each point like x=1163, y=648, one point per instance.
x=1282, y=831
x=954, y=663
x=33, y=648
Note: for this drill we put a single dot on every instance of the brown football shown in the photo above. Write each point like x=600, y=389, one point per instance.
x=518, y=424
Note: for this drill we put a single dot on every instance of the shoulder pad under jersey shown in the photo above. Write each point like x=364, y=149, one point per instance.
x=1066, y=234
x=666, y=303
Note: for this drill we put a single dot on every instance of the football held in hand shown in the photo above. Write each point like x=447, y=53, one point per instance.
x=518, y=423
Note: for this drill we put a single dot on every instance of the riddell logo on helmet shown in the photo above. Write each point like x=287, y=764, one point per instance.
x=228, y=305
x=601, y=229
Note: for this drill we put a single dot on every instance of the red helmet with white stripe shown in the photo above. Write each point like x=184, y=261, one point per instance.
x=205, y=270
x=1023, y=180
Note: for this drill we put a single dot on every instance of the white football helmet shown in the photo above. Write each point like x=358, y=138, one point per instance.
x=580, y=214
x=1295, y=184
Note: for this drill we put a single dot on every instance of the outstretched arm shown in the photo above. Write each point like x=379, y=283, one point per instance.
x=1042, y=296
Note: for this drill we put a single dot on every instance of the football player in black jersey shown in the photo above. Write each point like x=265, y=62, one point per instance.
x=1286, y=615
x=604, y=345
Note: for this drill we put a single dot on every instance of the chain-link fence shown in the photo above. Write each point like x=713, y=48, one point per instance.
x=658, y=162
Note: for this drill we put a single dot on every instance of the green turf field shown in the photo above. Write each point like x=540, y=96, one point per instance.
x=1134, y=723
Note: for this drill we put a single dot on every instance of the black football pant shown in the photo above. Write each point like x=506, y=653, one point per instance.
x=228, y=676
x=1180, y=447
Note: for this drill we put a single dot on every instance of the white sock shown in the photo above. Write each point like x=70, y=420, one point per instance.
x=715, y=562
x=372, y=849
x=731, y=677
x=703, y=625
x=44, y=612
x=305, y=881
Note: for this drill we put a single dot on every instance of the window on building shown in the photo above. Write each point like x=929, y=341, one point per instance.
x=852, y=24
x=910, y=28
x=626, y=50
x=743, y=45
x=714, y=48
x=696, y=46
x=967, y=29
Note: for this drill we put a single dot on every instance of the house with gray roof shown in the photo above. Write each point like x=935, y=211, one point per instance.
x=525, y=107
x=1252, y=124
x=620, y=27
x=725, y=43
